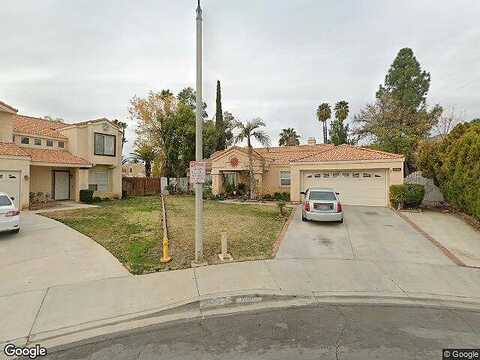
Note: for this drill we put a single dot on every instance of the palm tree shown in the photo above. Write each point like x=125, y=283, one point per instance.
x=341, y=110
x=249, y=131
x=147, y=154
x=323, y=114
x=289, y=137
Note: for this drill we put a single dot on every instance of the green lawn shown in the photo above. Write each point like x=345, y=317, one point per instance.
x=132, y=230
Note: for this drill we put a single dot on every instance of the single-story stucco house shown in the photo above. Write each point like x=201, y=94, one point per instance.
x=362, y=176
x=56, y=159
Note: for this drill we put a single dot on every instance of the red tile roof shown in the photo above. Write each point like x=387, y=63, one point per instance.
x=282, y=154
x=317, y=153
x=54, y=156
x=11, y=149
x=348, y=153
x=285, y=154
x=37, y=126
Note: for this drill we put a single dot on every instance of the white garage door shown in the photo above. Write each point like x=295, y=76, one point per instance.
x=10, y=184
x=365, y=187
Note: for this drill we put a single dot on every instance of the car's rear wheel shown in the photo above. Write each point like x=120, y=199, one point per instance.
x=304, y=218
x=341, y=221
x=15, y=231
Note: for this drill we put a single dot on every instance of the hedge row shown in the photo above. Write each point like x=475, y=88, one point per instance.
x=454, y=164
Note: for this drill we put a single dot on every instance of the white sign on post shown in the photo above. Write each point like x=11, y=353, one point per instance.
x=198, y=172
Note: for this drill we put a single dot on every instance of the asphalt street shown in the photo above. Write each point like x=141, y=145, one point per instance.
x=309, y=332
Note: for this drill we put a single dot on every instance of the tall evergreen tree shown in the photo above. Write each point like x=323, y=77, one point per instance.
x=219, y=123
x=406, y=82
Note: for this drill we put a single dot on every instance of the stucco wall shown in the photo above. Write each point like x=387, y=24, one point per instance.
x=41, y=180
x=271, y=180
x=22, y=165
x=6, y=127
x=18, y=141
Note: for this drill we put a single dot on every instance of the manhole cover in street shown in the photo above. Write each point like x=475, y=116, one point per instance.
x=371, y=213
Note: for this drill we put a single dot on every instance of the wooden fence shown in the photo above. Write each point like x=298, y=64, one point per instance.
x=141, y=186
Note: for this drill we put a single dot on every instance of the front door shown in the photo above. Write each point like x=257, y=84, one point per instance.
x=62, y=185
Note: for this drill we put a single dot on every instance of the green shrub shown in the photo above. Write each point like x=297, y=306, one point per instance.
x=207, y=193
x=456, y=166
x=406, y=195
x=267, y=197
x=86, y=196
x=281, y=208
x=284, y=196
x=124, y=194
x=96, y=199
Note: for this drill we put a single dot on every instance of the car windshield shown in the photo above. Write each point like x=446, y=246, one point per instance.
x=4, y=200
x=322, y=195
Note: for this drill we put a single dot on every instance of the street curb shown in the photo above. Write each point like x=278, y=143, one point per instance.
x=281, y=235
x=199, y=308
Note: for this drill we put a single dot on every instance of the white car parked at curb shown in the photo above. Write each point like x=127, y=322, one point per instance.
x=9, y=215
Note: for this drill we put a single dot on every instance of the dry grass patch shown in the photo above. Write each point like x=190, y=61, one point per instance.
x=132, y=230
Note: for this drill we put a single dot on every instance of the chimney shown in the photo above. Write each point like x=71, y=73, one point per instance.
x=311, y=141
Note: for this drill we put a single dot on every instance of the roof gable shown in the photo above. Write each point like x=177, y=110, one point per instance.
x=38, y=126
x=4, y=107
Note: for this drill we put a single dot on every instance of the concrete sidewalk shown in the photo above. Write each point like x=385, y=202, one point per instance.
x=66, y=313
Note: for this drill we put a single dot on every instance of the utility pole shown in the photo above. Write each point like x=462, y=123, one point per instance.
x=199, y=145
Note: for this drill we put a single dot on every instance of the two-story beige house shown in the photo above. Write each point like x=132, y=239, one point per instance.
x=58, y=159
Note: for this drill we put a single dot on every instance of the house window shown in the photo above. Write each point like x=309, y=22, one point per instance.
x=98, y=180
x=285, y=178
x=356, y=175
x=49, y=143
x=346, y=174
x=335, y=174
x=37, y=142
x=318, y=175
x=326, y=175
x=61, y=144
x=367, y=175
x=104, y=144
x=25, y=140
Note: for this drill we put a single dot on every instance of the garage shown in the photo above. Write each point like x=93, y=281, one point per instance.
x=10, y=184
x=356, y=187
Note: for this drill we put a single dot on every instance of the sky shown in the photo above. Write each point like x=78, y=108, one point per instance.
x=276, y=59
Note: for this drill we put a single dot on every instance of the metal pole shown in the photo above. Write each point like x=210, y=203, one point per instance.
x=199, y=144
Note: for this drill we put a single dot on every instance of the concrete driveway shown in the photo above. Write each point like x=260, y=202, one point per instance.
x=368, y=233
x=47, y=253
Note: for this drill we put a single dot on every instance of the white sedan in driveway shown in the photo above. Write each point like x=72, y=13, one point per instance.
x=321, y=204
x=9, y=215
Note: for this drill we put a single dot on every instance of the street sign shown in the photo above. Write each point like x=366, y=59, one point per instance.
x=198, y=172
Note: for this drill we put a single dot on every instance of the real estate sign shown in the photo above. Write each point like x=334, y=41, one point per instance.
x=198, y=172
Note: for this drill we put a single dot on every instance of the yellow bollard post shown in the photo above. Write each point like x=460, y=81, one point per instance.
x=166, y=253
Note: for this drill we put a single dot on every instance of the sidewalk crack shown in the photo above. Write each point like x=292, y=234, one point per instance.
x=36, y=316
x=196, y=281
